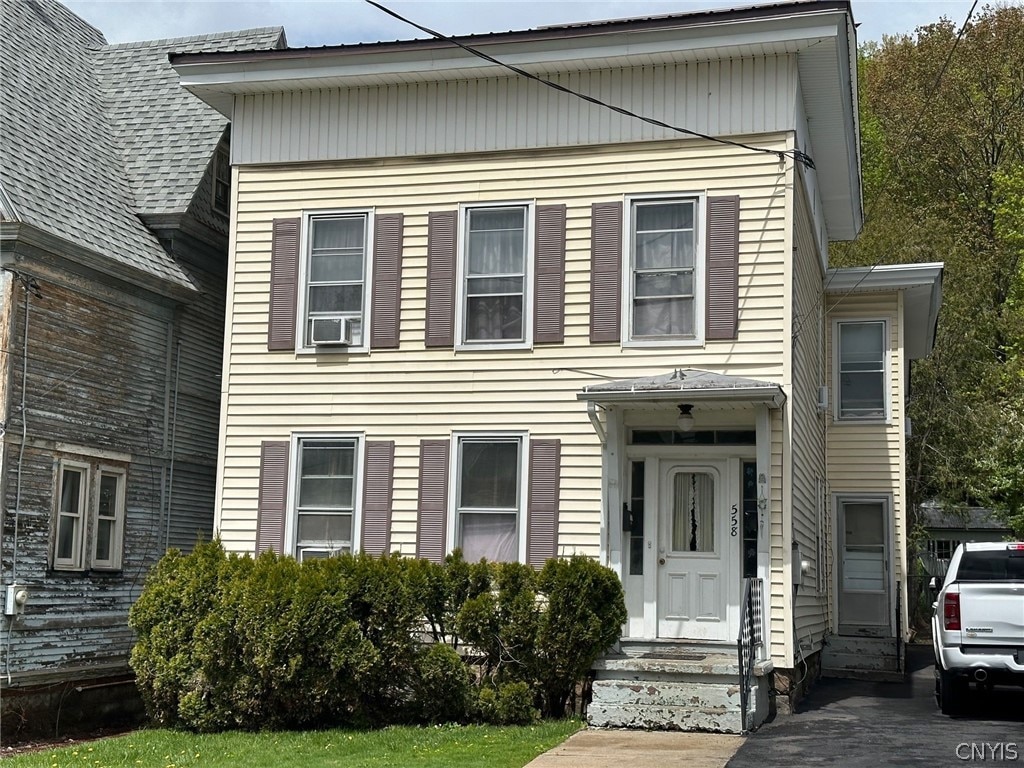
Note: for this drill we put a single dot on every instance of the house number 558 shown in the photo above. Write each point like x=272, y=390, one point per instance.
x=735, y=530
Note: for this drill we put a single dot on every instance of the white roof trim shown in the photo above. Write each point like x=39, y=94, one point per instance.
x=922, y=286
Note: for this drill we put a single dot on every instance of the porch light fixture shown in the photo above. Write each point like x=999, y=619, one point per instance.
x=685, y=420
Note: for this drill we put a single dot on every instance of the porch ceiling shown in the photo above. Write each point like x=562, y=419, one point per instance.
x=685, y=384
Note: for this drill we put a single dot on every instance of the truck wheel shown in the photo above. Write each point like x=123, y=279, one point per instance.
x=950, y=691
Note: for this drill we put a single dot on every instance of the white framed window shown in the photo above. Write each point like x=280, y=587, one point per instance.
x=89, y=516
x=324, y=519
x=488, y=486
x=220, y=199
x=72, y=500
x=861, y=365
x=108, y=521
x=663, y=286
x=335, y=265
x=495, y=275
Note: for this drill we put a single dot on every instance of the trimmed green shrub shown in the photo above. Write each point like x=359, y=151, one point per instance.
x=225, y=641
x=444, y=690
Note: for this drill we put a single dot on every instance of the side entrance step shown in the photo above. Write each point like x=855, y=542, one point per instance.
x=671, y=686
x=865, y=658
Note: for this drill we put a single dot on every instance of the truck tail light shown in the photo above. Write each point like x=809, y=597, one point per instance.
x=1015, y=547
x=951, y=611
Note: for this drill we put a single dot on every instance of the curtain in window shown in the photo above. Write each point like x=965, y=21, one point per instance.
x=693, y=512
x=663, y=263
x=492, y=536
x=336, y=263
x=495, y=272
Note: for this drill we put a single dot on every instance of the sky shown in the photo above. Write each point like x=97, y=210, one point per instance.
x=336, y=22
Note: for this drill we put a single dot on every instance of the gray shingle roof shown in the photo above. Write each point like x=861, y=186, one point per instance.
x=94, y=135
x=961, y=519
x=682, y=380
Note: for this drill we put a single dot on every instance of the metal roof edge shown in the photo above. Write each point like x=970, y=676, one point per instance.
x=772, y=395
x=881, y=277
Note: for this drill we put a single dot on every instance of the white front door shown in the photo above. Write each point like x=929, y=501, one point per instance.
x=698, y=550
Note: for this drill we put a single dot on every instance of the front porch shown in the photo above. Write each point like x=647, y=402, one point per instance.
x=687, y=463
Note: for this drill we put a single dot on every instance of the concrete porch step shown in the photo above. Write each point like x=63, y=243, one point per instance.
x=673, y=685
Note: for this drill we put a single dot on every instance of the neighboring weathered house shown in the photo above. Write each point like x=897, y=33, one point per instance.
x=468, y=311
x=115, y=189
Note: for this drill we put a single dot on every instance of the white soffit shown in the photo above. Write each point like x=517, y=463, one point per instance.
x=922, y=287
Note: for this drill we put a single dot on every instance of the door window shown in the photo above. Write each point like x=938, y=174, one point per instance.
x=693, y=512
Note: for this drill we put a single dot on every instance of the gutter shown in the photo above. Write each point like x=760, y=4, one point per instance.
x=774, y=397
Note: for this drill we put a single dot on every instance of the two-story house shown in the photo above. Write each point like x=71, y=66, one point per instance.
x=469, y=310
x=114, y=203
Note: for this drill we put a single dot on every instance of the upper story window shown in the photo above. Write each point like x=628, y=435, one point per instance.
x=860, y=365
x=494, y=275
x=488, y=500
x=325, y=496
x=335, y=278
x=665, y=270
x=89, y=516
x=221, y=200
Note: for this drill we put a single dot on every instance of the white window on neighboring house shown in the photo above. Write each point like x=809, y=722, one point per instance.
x=325, y=496
x=334, y=286
x=89, y=516
x=495, y=269
x=489, y=493
x=861, y=379
x=665, y=270
x=109, y=520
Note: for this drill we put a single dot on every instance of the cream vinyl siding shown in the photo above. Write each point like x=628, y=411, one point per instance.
x=808, y=430
x=415, y=393
x=750, y=95
x=869, y=458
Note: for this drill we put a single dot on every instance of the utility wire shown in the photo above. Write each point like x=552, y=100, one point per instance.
x=796, y=154
x=878, y=196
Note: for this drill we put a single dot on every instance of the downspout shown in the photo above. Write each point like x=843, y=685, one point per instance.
x=174, y=435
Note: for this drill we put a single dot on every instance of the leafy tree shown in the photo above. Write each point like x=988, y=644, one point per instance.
x=944, y=181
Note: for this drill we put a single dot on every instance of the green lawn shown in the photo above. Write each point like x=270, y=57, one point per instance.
x=405, y=747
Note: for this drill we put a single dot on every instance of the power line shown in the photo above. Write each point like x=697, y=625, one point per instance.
x=796, y=154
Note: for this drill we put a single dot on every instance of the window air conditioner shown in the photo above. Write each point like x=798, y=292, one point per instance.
x=331, y=331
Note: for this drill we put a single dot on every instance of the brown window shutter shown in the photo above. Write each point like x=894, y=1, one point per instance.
x=378, y=474
x=273, y=496
x=723, y=267
x=387, y=280
x=542, y=501
x=431, y=529
x=442, y=228
x=284, y=283
x=549, y=276
x=605, y=271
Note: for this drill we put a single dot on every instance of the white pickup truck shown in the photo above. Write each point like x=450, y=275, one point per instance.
x=978, y=621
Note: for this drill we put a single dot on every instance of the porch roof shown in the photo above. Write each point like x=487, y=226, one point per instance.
x=690, y=384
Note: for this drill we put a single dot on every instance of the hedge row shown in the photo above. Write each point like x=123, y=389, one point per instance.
x=225, y=641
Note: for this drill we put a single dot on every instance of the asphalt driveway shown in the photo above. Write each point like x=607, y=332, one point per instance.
x=854, y=724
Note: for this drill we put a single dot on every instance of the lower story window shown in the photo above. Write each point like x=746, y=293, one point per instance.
x=326, y=497
x=488, y=498
x=89, y=516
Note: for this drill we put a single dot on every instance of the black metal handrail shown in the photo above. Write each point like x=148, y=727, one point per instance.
x=750, y=641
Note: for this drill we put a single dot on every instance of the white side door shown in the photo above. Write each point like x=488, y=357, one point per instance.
x=698, y=550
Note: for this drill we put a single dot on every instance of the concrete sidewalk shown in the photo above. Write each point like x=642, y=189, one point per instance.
x=601, y=748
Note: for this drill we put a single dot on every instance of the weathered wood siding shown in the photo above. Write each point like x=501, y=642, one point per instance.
x=414, y=392
x=718, y=98
x=102, y=375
